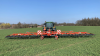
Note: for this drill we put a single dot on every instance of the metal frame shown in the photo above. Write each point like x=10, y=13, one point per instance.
x=42, y=34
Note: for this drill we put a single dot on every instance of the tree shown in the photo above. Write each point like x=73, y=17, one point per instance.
x=78, y=22
x=3, y=25
x=19, y=25
x=55, y=23
x=7, y=25
x=35, y=25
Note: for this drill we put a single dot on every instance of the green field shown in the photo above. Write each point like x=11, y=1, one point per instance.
x=65, y=46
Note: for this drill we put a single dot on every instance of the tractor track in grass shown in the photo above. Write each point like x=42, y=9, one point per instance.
x=65, y=46
x=34, y=46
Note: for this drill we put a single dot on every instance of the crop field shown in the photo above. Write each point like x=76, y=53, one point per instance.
x=64, y=46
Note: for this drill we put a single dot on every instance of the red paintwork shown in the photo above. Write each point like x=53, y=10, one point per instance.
x=48, y=33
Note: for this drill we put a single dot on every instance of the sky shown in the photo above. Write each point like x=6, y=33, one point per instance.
x=39, y=11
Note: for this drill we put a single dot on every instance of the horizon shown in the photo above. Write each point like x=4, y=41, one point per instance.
x=39, y=11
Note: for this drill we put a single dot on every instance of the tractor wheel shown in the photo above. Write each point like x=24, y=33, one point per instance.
x=41, y=37
x=56, y=37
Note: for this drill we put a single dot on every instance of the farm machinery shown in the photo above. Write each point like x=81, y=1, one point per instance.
x=49, y=30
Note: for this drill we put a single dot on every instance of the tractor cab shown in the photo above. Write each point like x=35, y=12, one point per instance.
x=49, y=25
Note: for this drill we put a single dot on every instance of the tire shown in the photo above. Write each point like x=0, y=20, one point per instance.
x=41, y=38
x=56, y=38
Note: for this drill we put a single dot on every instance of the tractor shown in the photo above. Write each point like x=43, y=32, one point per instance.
x=48, y=29
x=49, y=25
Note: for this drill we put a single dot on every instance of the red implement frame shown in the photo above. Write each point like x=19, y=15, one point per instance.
x=49, y=33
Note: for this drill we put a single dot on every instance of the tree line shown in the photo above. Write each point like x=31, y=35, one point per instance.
x=20, y=25
x=5, y=25
x=64, y=24
x=84, y=22
x=88, y=22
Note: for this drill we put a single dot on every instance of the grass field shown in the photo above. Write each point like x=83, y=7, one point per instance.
x=65, y=46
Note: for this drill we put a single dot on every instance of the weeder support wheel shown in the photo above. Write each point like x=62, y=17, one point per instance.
x=41, y=37
x=56, y=37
